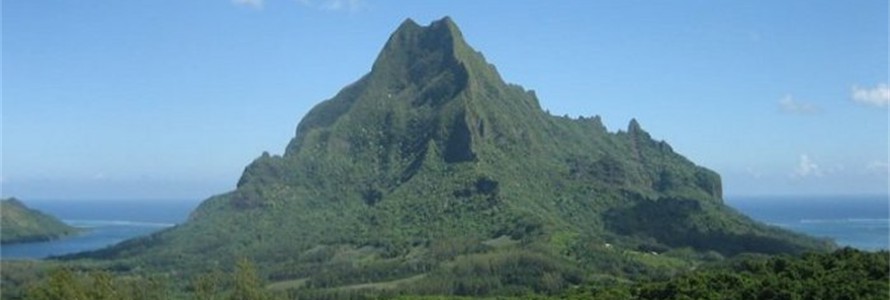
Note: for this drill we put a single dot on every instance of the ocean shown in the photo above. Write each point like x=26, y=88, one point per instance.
x=107, y=222
x=860, y=221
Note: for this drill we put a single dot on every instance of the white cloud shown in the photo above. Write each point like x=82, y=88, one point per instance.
x=878, y=167
x=327, y=5
x=753, y=173
x=790, y=105
x=255, y=4
x=334, y=5
x=807, y=167
x=878, y=96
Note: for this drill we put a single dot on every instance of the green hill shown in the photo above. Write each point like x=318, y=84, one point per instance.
x=20, y=224
x=431, y=175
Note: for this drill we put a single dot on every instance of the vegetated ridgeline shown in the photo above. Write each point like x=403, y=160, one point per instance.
x=20, y=224
x=432, y=175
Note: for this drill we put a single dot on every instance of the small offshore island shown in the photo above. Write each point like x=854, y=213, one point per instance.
x=20, y=224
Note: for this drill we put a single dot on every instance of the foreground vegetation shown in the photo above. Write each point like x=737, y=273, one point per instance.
x=844, y=274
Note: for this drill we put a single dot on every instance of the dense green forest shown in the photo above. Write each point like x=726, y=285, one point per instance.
x=20, y=224
x=844, y=274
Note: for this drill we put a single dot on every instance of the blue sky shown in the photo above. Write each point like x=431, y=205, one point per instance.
x=171, y=99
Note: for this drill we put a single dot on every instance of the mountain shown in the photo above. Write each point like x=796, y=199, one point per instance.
x=430, y=174
x=20, y=224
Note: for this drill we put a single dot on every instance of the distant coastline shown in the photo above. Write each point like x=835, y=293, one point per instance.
x=103, y=223
x=859, y=221
x=24, y=224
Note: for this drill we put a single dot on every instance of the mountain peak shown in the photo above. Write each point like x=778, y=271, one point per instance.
x=412, y=43
x=407, y=23
x=633, y=125
x=418, y=66
x=443, y=25
x=418, y=55
x=447, y=24
x=410, y=24
x=635, y=129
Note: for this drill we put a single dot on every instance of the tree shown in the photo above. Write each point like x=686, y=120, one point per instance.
x=154, y=287
x=248, y=286
x=102, y=286
x=206, y=286
x=61, y=284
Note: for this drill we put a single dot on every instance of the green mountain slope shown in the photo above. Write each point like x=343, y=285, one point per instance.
x=432, y=174
x=20, y=224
